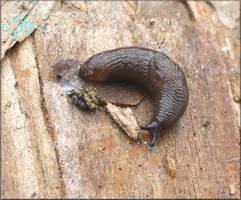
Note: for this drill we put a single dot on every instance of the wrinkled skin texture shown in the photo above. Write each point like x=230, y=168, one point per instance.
x=154, y=71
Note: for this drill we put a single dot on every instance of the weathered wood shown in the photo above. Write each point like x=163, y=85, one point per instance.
x=51, y=149
x=20, y=19
x=29, y=162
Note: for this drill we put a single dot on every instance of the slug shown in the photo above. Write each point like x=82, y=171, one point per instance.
x=153, y=70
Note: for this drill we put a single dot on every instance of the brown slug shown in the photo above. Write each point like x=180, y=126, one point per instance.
x=151, y=69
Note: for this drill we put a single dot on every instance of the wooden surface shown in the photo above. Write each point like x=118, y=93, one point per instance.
x=51, y=149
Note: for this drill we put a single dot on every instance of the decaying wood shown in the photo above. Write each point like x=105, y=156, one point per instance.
x=51, y=149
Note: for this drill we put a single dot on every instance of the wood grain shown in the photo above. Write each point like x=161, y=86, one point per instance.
x=51, y=149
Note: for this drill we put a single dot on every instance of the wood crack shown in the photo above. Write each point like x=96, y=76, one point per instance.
x=189, y=10
x=193, y=185
x=47, y=120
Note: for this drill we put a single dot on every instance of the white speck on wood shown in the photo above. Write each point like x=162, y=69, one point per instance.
x=232, y=189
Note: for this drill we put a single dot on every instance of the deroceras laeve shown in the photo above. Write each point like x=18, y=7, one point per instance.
x=154, y=71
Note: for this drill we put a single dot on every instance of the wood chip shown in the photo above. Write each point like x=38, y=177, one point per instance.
x=171, y=167
x=125, y=119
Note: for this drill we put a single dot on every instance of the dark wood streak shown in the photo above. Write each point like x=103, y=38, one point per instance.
x=154, y=71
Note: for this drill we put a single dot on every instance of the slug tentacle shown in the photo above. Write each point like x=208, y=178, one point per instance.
x=154, y=71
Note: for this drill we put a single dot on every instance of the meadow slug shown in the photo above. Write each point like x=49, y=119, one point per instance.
x=153, y=70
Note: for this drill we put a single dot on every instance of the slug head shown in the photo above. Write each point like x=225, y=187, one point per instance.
x=93, y=70
x=84, y=71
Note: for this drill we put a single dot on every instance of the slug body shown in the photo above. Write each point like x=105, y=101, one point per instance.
x=154, y=71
